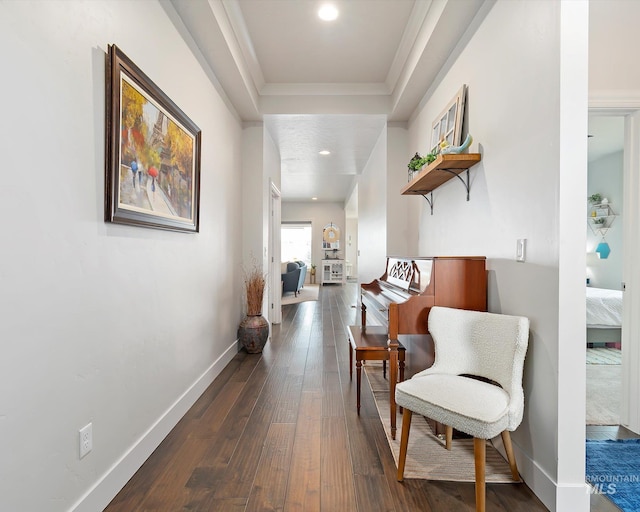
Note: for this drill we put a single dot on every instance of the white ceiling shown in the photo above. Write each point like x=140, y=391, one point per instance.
x=300, y=138
x=325, y=85
x=347, y=50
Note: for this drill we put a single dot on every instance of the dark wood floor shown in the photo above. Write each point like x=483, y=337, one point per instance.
x=279, y=431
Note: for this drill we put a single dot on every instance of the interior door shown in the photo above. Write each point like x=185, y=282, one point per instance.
x=630, y=406
x=275, y=288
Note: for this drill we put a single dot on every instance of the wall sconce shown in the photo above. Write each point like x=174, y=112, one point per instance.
x=603, y=250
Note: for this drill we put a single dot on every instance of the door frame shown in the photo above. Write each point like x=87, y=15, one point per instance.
x=275, y=290
x=628, y=108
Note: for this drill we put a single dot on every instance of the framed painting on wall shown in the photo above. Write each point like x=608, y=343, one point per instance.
x=448, y=125
x=152, y=175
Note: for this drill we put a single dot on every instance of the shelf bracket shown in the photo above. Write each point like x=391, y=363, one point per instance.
x=465, y=183
x=430, y=201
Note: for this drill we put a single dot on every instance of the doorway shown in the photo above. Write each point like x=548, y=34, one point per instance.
x=629, y=223
x=604, y=270
x=618, y=383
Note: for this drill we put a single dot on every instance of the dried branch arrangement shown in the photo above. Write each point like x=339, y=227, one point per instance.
x=254, y=283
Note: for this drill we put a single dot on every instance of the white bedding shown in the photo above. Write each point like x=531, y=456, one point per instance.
x=604, y=308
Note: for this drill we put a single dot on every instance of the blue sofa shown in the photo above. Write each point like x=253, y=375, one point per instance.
x=293, y=278
x=303, y=273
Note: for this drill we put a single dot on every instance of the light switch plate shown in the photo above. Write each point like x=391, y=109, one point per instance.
x=521, y=249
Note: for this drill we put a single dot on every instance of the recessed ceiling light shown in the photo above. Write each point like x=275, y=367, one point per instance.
x=314, y=198
x=328, y=12
x=324, y=152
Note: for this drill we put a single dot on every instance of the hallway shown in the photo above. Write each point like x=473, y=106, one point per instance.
x=280, y=432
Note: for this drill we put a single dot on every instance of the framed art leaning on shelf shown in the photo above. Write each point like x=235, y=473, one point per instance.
x=448, y=125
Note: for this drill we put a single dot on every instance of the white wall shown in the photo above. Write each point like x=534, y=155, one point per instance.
x=319, y=214
x=517, y=76
x=101, y=323
x=252, y=192
x=372, y=213
x=260, y=167
x=387, y=221
x=605, y=177
x=402, y=222
x=613, y=39
x=351, y=246
x=351, y=213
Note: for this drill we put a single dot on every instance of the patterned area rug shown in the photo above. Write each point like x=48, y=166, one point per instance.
x=613, y=470
x=602, y=355
x=308, y=292
x=427, y=458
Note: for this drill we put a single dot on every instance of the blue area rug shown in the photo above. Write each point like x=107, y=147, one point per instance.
x=613, y=469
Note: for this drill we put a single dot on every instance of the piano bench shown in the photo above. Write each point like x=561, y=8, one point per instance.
x=370, y=343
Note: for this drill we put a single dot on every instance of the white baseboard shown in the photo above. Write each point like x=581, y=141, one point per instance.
x=106, y=488
x=573, y=498
x=557, y=498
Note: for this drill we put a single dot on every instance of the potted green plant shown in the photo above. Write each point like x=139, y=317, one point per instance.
x=417, y=162
x=254, y=329
x=595, y=198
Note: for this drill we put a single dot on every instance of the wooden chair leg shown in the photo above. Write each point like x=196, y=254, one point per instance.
x=393, y=379
x=479, y=452
x=506, y=441
x=404, y=442
x=448, y=432
x=401, y=368
x=358, y=382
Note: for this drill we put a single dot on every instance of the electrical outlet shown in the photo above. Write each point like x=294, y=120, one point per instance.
x=86, y=439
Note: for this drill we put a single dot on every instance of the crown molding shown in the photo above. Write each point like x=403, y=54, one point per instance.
x=615, y=100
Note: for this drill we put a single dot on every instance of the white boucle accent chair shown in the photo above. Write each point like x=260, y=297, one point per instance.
x=486, y=345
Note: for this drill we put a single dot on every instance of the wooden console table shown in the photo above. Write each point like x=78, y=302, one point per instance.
x=415, y=352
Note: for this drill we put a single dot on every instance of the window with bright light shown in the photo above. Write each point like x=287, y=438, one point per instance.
x=296, y=242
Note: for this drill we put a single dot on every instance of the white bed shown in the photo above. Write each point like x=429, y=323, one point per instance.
x=604, y=308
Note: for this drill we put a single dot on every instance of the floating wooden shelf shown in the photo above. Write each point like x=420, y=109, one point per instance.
x=441, y=170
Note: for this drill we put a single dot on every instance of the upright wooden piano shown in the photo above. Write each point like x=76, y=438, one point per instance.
x=401, y=300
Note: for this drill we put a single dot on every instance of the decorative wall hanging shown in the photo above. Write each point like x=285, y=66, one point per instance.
x=601, y=217
x=152, y=175
x=331, y=236
x=448, y=125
